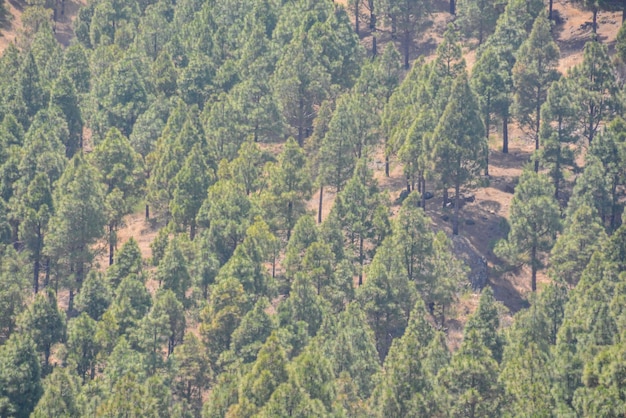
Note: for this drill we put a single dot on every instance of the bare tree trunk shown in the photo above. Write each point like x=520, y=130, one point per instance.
x=455, y=227
x=374, y=47
x=533, y=260
x=550, y=10
x=595, y=23
x=147, y=212
x=505, y=135
x=423, y=181
x=319, y=212
x=538, y=116
x=361, y=260
x=445, y=196
x=407, y=48
x=386, y=165
x=357, y=5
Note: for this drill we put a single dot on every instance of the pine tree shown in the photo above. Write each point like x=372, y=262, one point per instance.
x=256, y=326
x=355, y=208
x=44, y=323
x=120, y=167
x=77, y=222
x=459, y=141
x=60, y=390
x=193, y=372
x=478, y=18
x=471, y=379
x=560, y=107
x=222, y=316
x=405, y=18
x=405, y=387
x=227, y=213
x=289, y=187
x=191, y=184
x=596, y=87
x=82, y=346
x=492, y=84
x=533, y=73
x=129, y=261
x=386, y=297
x=172, y=273
x=354, y=350
x=534, y=222
x=582, y=236
x=20, y=377
x=486, y=322
x=267, y=373
x=63, y=94
x=299, y=84
x=94, y=297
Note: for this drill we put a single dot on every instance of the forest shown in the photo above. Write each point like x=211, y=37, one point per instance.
x=263, y=208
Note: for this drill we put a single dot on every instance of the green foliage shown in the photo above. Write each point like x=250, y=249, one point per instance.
x=534, y=221
x=60, y=390
x=596, y=88
x=533, y=73
x=20, y=376
x=288, y=189
x=43, y=323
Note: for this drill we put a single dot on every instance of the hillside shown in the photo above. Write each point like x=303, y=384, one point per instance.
x=225, y=208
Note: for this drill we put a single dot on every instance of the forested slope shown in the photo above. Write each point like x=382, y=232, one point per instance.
x=264, y=146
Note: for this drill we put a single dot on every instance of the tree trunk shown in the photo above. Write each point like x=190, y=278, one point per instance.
x=595, y=23
x=452, y=7
x=360, y=260
x=356, y=16
x=623, y=10
x=147, y=212
x=289, y=210
x=301, y=121
x=505, y=135
x=111, y=243
x=36, y=274
x=372, y=15
x=550, y=10
x=37, y=260
x=487, y=126
x=457, y=189
x=386, y=166
x=538, y=116
x=407, y=48
x=445, y=196
x=70, y=303
x=591, y=112
x=46, y=279
x=374, y=47
x=319, y=212
x=192, y=230
x=423, y=180
x=533, y=261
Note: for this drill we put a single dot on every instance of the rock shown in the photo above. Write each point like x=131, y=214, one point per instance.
x=469, y=198
x=469, y=222
x=428, y=195
x=403, y=195
x=445, y=218
x=480, y=273
x=509, y=188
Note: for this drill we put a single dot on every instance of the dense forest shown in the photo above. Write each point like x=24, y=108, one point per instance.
x=283, y=280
